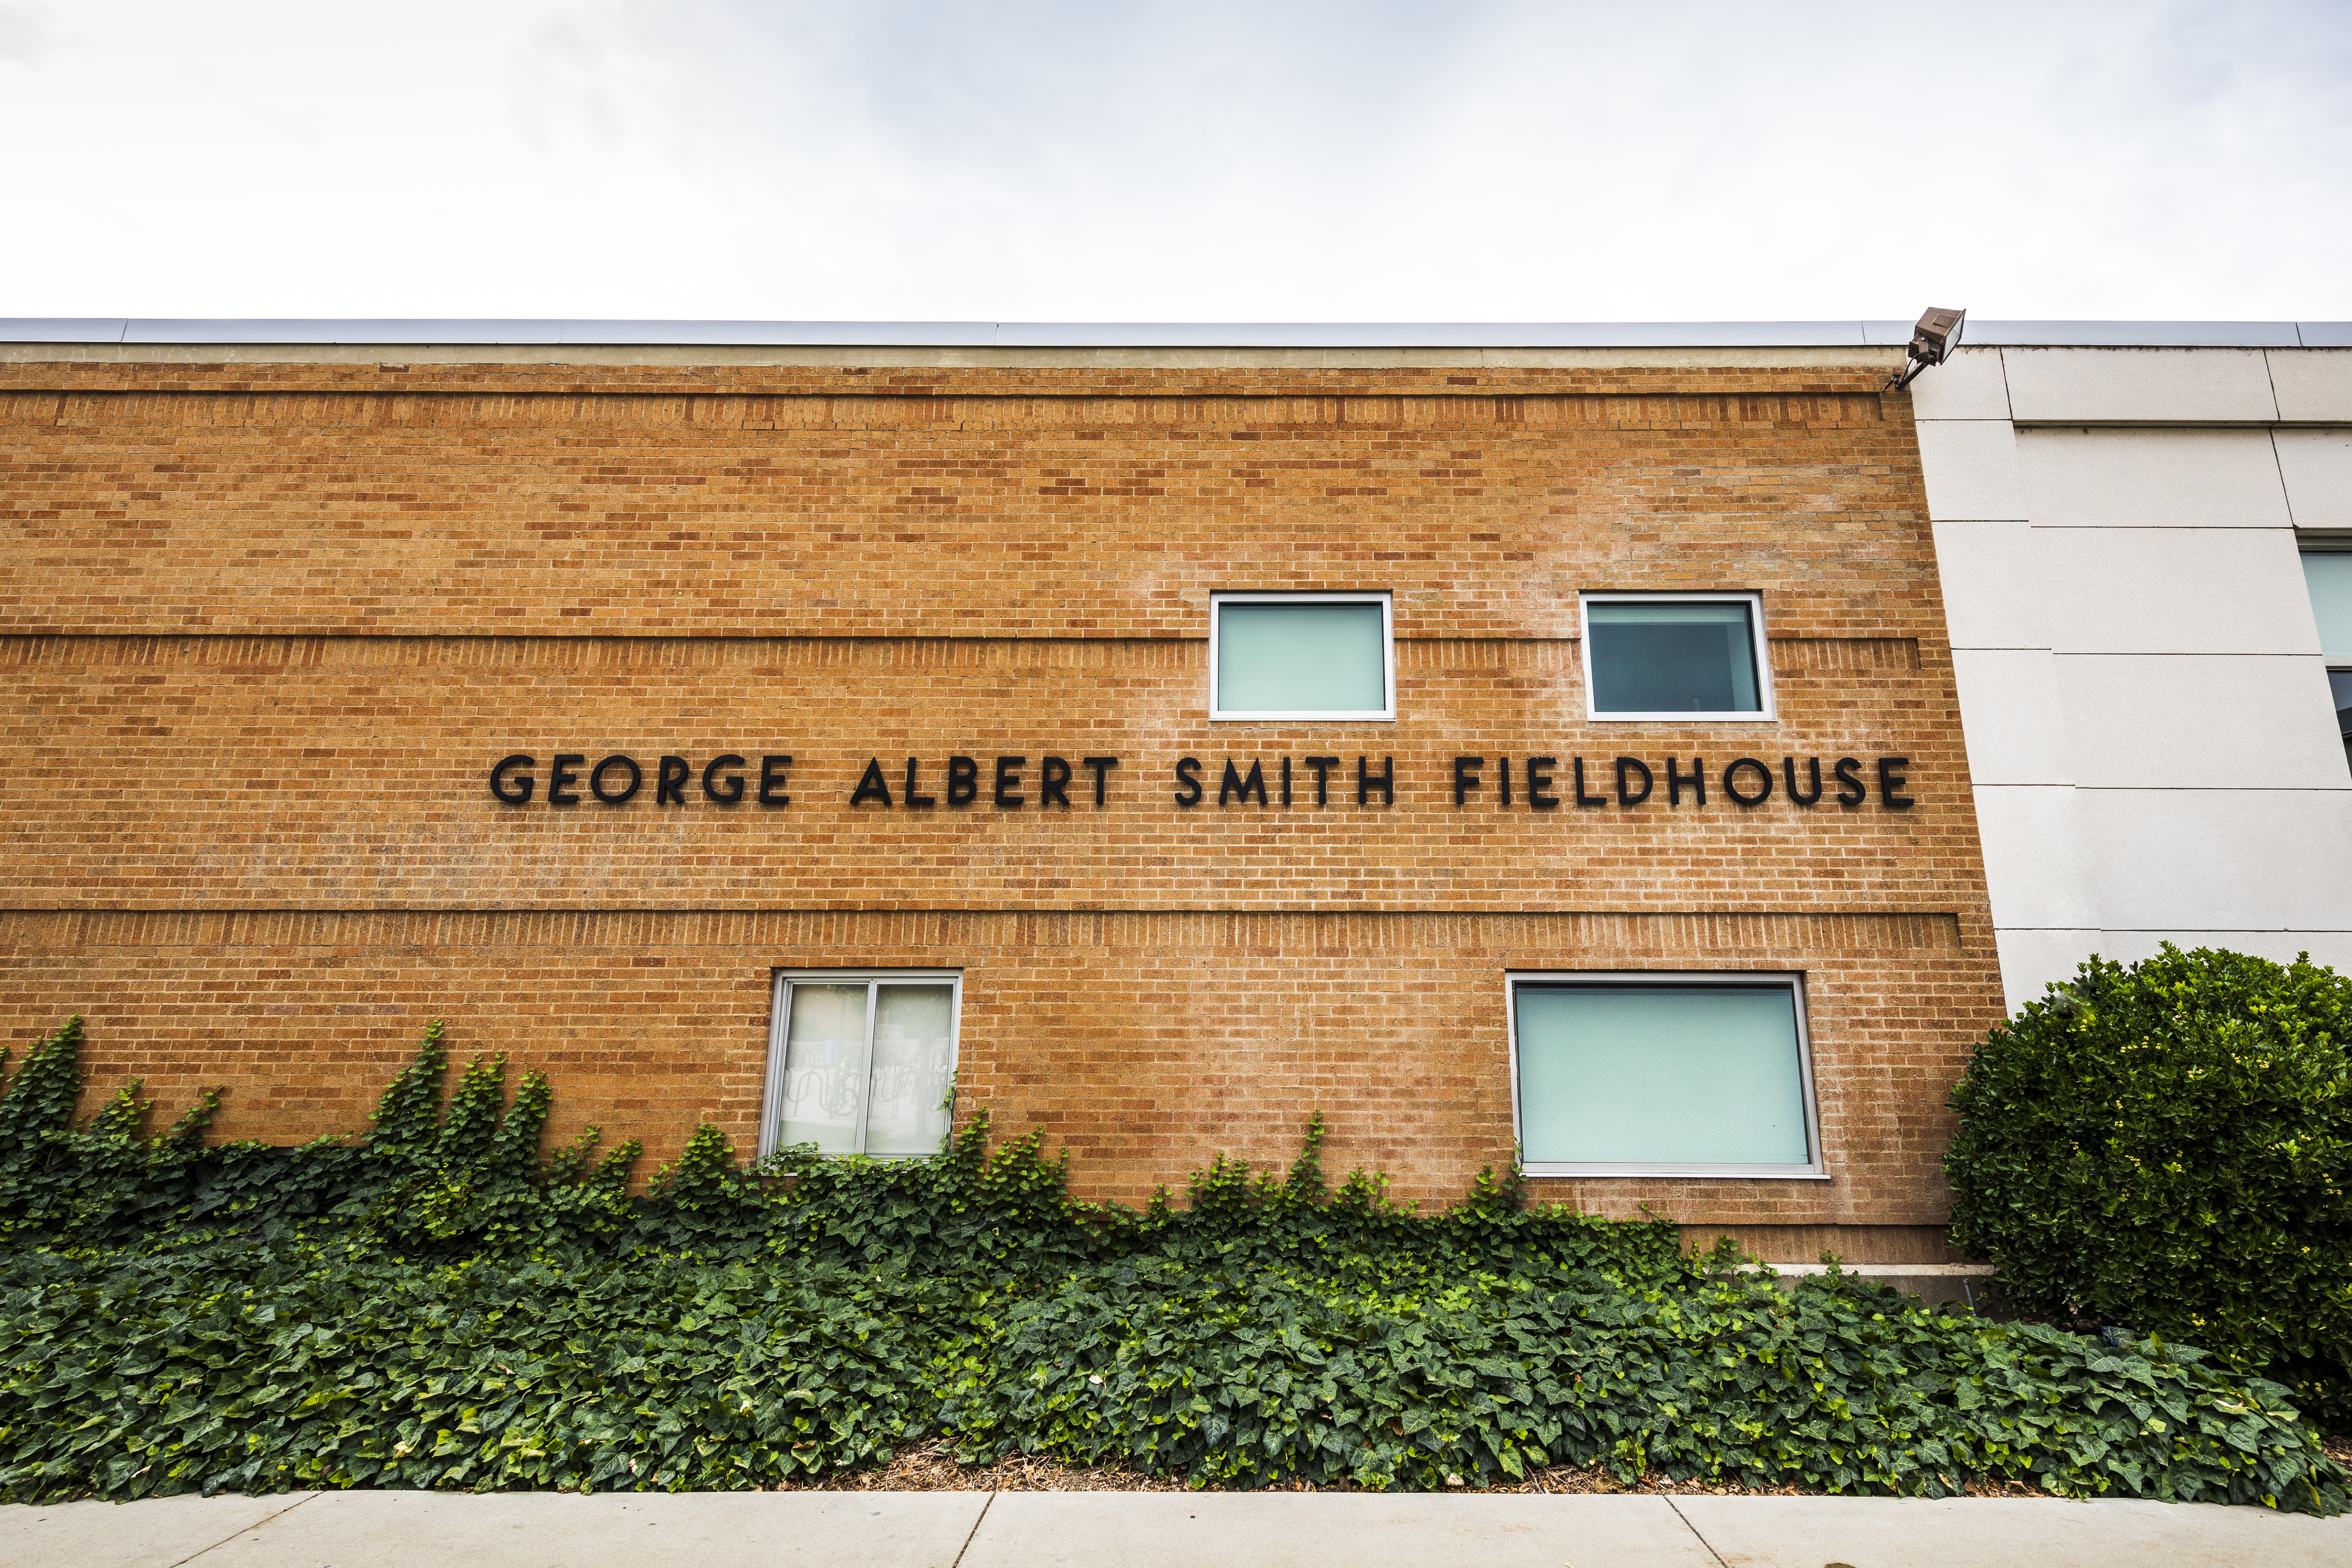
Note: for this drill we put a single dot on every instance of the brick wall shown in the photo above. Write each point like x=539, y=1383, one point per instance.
x=264, y=628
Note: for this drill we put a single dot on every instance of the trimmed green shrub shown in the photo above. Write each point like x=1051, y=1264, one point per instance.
x=436, y=1305
x=2168, y=1147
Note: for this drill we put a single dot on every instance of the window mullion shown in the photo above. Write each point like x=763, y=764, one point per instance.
x=780, y=1013
x=865, y=1059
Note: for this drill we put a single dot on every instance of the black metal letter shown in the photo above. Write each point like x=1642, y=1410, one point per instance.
x=914, y=801
x=1648, y=783
x=1583, y=799
x=1465, y=777
x=772, y=780
x=1850, y=790
x=1321, y=767
x=1188, y=775
x=1008, y=777
x=1891, y=782
x=1675, y=781
x=1102, y=767
x=1788, y=772
x=1731, y=789
x=596, y=779
x=963, y=781
x=1233, y=784
x=871, y=785
x=521, y=795
x=1053, y=784
x=1366, y=784
x=669, y=784
x=563, y=772
x=734, y=782
x=1539, y=780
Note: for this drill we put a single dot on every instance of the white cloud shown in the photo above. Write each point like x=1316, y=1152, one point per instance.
x=27, y=34
x=666, y=158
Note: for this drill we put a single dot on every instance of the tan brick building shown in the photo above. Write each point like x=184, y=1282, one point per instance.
x=271, y=614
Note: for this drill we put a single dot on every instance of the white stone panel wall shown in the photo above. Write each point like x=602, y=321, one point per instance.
x=2151, y=742
x=2317, y=466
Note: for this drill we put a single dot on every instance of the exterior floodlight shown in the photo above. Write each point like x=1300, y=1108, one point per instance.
x=1932, y=342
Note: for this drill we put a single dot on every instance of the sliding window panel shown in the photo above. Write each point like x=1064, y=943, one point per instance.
x=825, y=1067
x=914, y=1065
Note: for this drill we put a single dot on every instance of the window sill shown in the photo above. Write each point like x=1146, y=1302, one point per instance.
x=1366, y=718
x=1677, y=1172
x=1681, y=719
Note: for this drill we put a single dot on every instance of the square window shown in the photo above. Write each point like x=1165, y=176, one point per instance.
x=1301, y=655
x=1693, y=656
x=1649, y=1075
x=860, y=1062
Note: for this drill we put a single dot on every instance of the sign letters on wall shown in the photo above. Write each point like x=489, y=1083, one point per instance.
x=1010, y=782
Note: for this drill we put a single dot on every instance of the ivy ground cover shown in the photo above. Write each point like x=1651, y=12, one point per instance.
x=436, y=1304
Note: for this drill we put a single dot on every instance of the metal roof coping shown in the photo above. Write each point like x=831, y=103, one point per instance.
x=551, y=332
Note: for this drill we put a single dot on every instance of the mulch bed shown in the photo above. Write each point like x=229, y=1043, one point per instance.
x=932, y=1467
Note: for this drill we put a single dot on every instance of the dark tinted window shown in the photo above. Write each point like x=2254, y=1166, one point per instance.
x=1662, y=657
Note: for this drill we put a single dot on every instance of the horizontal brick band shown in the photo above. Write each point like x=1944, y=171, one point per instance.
x=779, y=935
x=1414, y=656
x=476, y=411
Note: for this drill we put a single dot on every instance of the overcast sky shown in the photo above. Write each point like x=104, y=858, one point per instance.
x=874, y=160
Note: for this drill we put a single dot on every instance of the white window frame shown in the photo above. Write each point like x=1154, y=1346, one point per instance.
x=771, y=1100
x=1793, y=980
x=1760, y=651
x=1381, y=596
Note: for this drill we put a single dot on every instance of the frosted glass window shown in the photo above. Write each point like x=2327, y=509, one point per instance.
x=2328, y=575
x=914, y=1060
x=825, y=1046
x=864, y=1065
x=1686, y=1076
x=1668, y=658
x=1300, y=658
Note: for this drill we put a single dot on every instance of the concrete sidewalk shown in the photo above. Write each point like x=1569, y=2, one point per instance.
x=1147, y=1529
